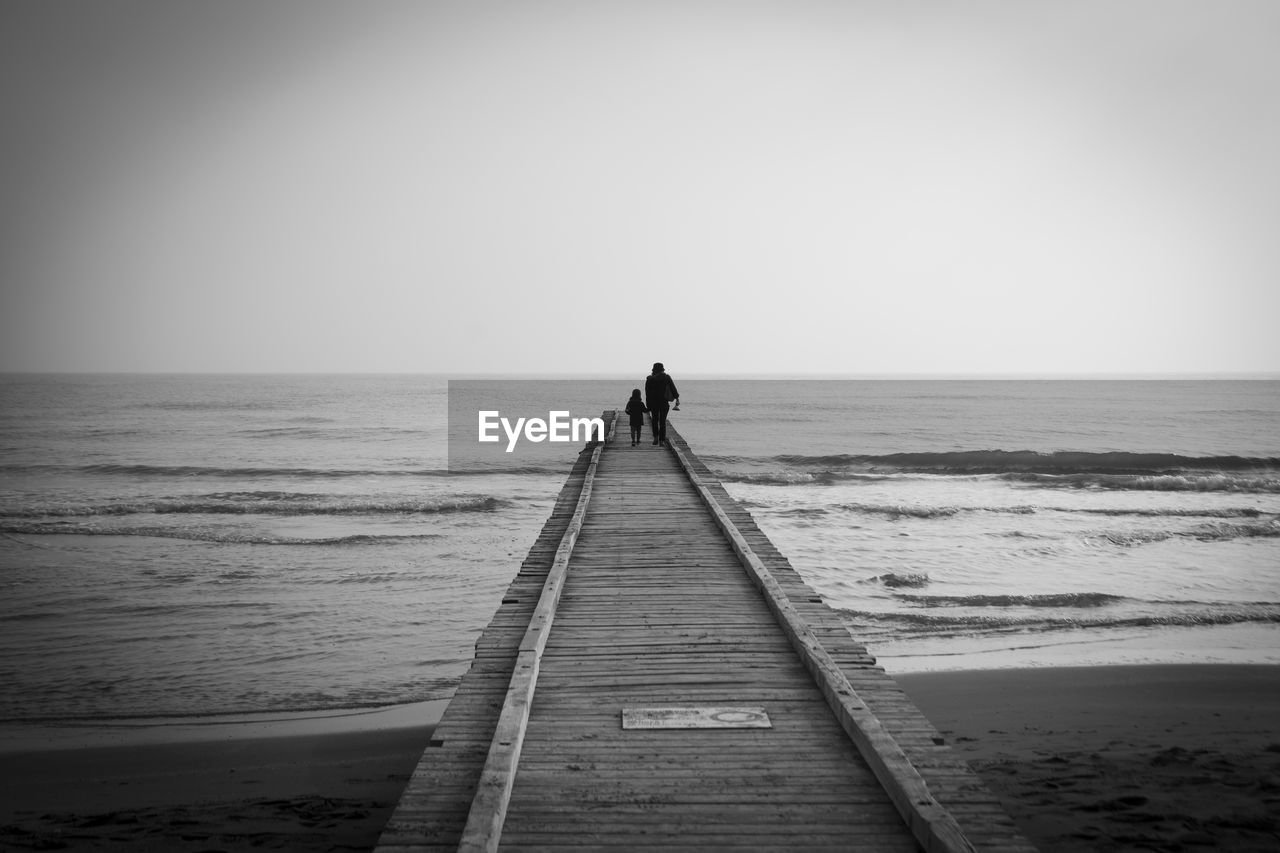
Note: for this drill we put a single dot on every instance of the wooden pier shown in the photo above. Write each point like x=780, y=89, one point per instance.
x=658, y=677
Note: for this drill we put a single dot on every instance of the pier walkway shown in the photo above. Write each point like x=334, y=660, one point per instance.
x=658, y=677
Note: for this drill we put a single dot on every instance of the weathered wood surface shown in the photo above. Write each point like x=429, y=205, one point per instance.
x=657, y=610
x=489, y=807
x=932, y=825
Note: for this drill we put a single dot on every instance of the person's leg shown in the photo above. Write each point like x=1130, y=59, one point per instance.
x=659, y=413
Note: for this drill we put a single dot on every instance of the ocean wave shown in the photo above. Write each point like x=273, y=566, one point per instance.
x=802, y=512
x=1131, y=538
x=1169, y=482
x=188, y=471
x=896, y=511
x=1064, y=599
x=211, y=405
x=767, y=478
x=345, y=433
x=894, y=579
x=1062, y=469
x=263, y=503
x=916, y=622
x=197, y=534
x=765, y=472
x=1208, y=532
x=192, y=471
x=1030, y=461
x=1171, y=512
x=1217, y=531
x=364, y=578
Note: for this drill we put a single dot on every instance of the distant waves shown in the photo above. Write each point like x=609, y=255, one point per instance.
x=1076, y=470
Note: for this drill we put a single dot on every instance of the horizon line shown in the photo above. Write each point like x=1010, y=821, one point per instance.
x=694, y=375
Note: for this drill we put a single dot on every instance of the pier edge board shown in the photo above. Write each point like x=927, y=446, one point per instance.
x=433, y=809
x=483, y=830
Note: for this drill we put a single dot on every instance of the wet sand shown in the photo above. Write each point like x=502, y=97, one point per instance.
x=1183, y=757
x=1087, y=759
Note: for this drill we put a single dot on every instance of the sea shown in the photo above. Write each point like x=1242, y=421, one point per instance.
x=199, y=545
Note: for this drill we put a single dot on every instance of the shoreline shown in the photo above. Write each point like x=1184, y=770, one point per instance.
x=42, y=736
x=1084, y=758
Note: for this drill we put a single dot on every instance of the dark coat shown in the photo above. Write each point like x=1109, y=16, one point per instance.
x=659, y=390
x=636, y=409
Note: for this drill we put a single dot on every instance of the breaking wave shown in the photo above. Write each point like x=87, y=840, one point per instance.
x=982, y=623
x=1182, y=482
x=197, y=534
x=263, y=503
x=1199, y=512
x=894, y=580
x=1060, y=462
x=924, y=511
x=919, y=511
x=1065, y=599
x=768, y=478
x=1064, y=469
x=1208, y=532
x=192, y=471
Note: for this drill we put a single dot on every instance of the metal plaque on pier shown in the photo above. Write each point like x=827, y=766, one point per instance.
x=695, y=717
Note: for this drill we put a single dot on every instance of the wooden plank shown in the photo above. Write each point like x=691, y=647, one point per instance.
x=489, y=809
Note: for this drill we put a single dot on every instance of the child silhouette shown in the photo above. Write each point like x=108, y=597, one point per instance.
x=636, y=409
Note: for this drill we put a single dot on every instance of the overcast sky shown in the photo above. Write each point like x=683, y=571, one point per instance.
x=917, y=186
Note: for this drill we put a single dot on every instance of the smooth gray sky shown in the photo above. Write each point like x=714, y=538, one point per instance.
x=850, y=187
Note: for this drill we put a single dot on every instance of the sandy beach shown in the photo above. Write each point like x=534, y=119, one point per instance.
x=1182, y=757
x=306, y=782
x=1086, y=759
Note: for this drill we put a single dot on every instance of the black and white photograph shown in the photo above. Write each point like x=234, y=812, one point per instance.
x=584, y=425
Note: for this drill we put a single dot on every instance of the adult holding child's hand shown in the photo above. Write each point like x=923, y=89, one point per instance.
x=659, y=392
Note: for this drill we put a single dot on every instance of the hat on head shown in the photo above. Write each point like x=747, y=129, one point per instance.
x=657, y=367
